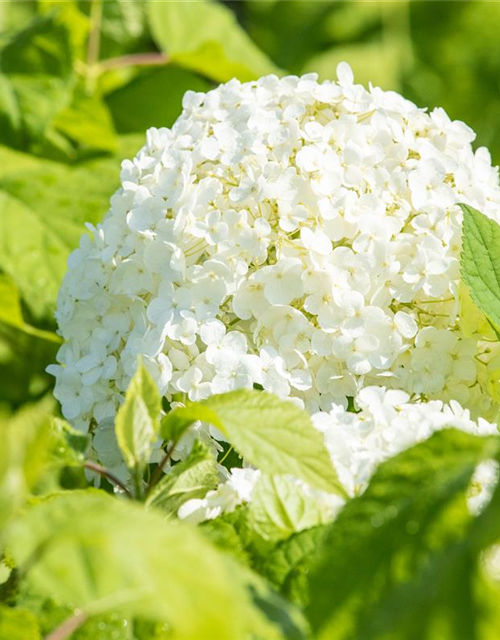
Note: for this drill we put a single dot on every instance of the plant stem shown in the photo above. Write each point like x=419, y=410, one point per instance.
x=93, y=466
x=159, y=469
x=94, y=42
x=134, y=60
x=68, y=627
x=138, y=479
x=226, y=455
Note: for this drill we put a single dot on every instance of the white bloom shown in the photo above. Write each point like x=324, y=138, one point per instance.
x=386, y=424
x=236, y=490
x=300, y=236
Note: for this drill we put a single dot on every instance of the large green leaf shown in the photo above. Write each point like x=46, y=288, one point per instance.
x=271, y=434
x=11, y=312
x=275, y=436
x=218, y=47
x=27, y=444
x=101, y=554
x=43, y=207
x=37, y=77
x=397, y=562
x=87, y=124
x=481, y=261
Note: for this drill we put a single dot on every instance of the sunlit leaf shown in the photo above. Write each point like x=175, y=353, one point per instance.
x=275, y=435
x=137, y=419
x=18, y=624
x=481, y=261
x=128, y=559
x=43, y=209
x=218, y=47
x=280, y=507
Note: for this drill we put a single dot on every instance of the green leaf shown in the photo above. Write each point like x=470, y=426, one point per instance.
x=275, y=436
x=11, y=312
x=32, y=440
x=43, y=208
x=281, y=507
x=191, y=478
x=145, y=386
x=153, y=99
x=177, y=421
x=480, y=261
x=18, y=624
x=37, y=77
x=135, y=432
x=88, y=124
x=230, y=533
x=24, y=455
x=217, y=48
x=375, y=62
x=137, y=419
x=101, y=554
x=67, y=444
x=123, y=28
x=287, y=565
x=401, y=549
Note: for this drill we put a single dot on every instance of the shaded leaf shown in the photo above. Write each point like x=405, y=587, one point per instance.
x=398, y=550
x=11, y=312
x=189, y=479
x=153, y=99
x=37, y=76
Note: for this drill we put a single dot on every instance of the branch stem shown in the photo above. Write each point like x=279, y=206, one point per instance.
x=94, y=43
x=68, y=627
x=159, y=469
x=134, y=60
x=93, y=466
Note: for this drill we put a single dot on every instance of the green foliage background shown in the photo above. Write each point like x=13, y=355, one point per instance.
x=80, y=82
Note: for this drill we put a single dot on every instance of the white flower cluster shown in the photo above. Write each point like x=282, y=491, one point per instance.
x=286, y=233
x=386, y=425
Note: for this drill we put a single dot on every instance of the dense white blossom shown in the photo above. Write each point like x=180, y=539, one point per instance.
x=386, y=424
x=286, y=233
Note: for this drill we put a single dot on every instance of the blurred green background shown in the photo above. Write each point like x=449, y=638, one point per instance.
x=81, y=81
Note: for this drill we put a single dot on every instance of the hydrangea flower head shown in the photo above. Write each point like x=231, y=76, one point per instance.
x=296, y=235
